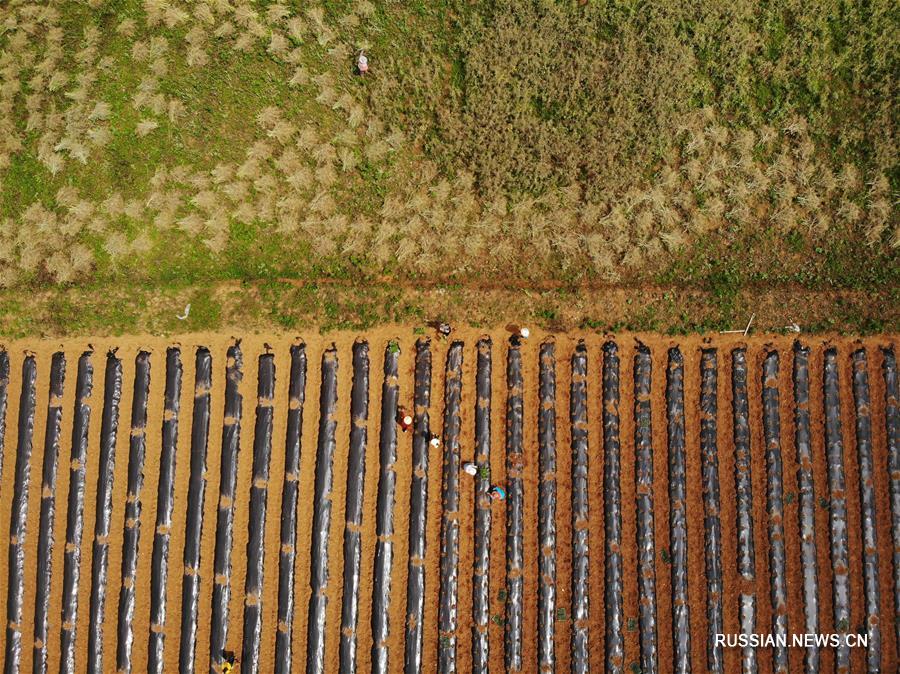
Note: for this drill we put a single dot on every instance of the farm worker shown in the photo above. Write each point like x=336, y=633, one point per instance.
x=228, y=661
x=362, y=63
x=434, y=440
x=443, y=329
x=497, y=493
x=404, y=418
x=470, y=468
x=518, y=331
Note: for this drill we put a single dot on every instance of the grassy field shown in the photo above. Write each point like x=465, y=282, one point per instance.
x=699, y=163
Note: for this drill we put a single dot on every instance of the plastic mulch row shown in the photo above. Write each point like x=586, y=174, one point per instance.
x=109, y=426
x=193, y=533
x=165, y=501
x=137, y=448
x=289, y=500
x=75, y=511
x=321, y=529
x=418, y=511
x=448, y=618
x=231, y=443
x=384, y=511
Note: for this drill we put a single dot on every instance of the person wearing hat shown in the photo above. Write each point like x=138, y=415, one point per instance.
x=228, y=662
x=517, y=334
x=497, y=492
x=442, y=328
x=469, y=468
x=404, y=418
x=518, y=331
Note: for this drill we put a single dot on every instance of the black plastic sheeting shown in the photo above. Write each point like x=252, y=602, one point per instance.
x=48, y=511
x=643, y=443
x=137, y=448
x=740, y=409
x=837, y=512
x=418, y=511
x=681, y=615
x=165, y=501
x=193, y=533
x=256, y=527
x=515, y=498
x=318, y=581
x=109, y=426
x=75, y=511
x=384, y=512
x=892, y=427
x=231, y=446
x=612, y=512
x=449, y=569
x=867, y=491
x=712, y=523
x=580, y=511
x=807, y=504
x=547, y=508
x=15, y=587
x=356, y=480
x=289, y=498
x=775, y=508
x=4, y=394
x=481, y=597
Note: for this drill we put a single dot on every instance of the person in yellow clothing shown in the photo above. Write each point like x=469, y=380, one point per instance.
x=228, y=662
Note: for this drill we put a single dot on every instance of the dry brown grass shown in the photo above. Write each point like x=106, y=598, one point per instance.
x=558, y=185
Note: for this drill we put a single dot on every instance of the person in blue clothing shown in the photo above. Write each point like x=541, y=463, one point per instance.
x=497, y=492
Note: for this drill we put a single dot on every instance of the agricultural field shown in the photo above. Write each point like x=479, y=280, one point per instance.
x=614, y=165
x=262, y=498
x=231, y=262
